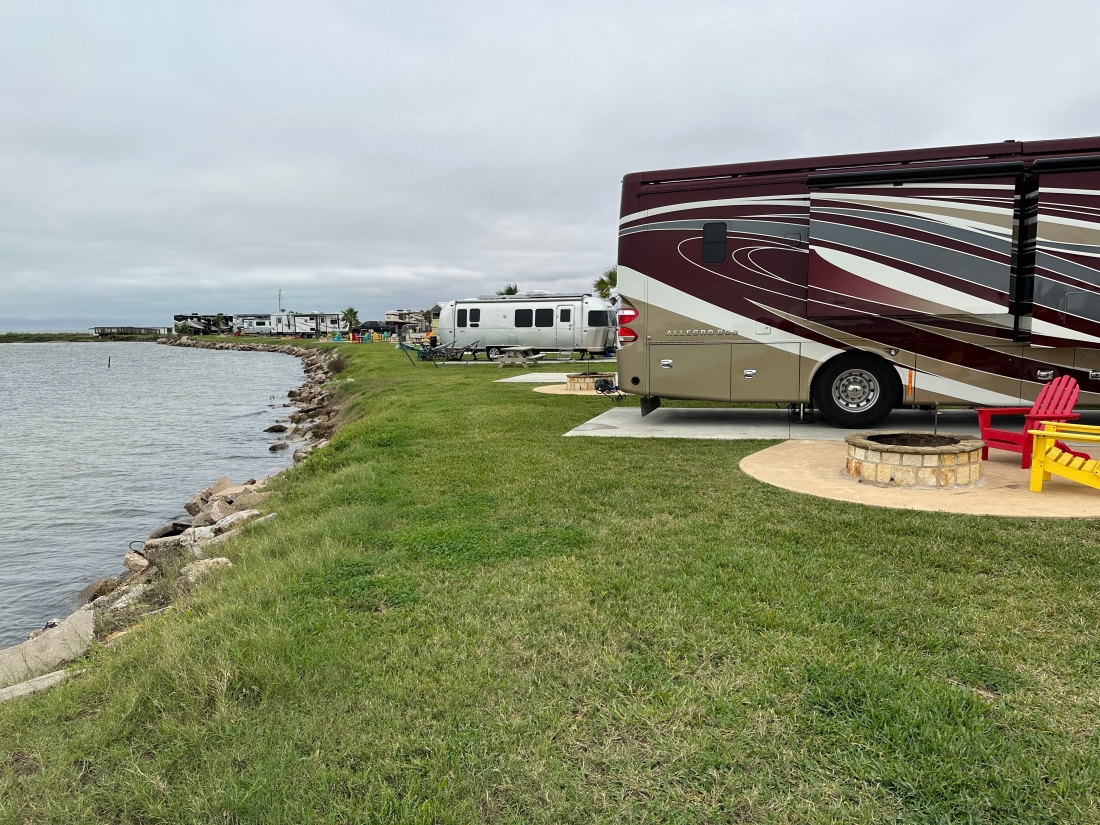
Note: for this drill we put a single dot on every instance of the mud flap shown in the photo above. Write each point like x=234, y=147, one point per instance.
x=649, y=404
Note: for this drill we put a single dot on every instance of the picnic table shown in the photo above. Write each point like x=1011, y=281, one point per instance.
x=519, y=356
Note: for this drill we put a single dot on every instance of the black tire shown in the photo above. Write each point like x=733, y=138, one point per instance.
x=855, y=390
x=494, y=352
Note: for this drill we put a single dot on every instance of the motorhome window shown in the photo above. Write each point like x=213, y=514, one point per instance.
x=261, y=323
x=598, y=318
x=544, y=317
x=714, y=243
x=475, y=317
x=566, y=316
x=462, y=317
x=523, y=317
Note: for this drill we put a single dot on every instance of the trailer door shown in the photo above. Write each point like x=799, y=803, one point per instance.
x=913, y=242
x=1066, y=293
x=565, y=323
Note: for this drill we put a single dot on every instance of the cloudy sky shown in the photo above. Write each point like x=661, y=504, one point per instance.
x=159, y=158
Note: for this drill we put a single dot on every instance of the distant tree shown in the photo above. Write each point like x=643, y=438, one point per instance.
x=607, y=283
x=182, y=328
x=350, y=317
x=219, y=321
x=509, y=289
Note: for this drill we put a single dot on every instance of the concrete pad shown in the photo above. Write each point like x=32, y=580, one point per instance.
x=33, y=685
x=739, y=423
x=42, y=654
x=563, y=389
x=546, y=361
x=816, y=468
x=535, y=378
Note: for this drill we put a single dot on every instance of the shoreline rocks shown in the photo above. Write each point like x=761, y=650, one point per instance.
x=314, y=418
x=172, y=559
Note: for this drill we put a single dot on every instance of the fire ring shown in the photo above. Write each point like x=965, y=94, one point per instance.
x=894, y=458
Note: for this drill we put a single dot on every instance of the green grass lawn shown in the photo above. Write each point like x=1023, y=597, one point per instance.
x=460, y=616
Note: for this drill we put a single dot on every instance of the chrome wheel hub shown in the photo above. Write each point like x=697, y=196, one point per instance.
x=855, y=390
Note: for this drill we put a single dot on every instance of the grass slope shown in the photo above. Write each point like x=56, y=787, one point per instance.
x=461, y=616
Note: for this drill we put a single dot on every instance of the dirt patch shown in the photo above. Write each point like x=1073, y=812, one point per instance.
x=23, y=764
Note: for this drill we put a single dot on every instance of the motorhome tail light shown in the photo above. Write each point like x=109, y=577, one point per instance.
x=626, y=315
x=627, y=335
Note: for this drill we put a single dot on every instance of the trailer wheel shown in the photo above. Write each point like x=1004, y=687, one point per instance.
x=494, y=352
x=856, y=390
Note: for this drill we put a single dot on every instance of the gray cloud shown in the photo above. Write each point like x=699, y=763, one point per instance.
x=157, y=158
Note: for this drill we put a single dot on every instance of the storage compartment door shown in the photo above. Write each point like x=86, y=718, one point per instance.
x=762, y=372
x=690, y=371
x=928, y=248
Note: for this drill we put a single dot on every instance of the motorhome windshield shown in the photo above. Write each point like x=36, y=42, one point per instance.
x=598, y=318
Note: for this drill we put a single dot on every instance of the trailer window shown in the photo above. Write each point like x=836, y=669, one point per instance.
x=523, y=317
x=461, y=318
x=714, y=243
x=475, y=317
x=598, y=318
x=544, y=317
x=566, y=316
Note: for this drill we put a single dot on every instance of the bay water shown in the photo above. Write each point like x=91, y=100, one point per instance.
x=95, y=457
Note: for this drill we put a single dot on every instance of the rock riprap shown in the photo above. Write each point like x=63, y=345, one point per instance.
x=173, y=558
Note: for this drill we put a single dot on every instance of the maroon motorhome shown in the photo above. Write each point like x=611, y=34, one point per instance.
x=860, y=283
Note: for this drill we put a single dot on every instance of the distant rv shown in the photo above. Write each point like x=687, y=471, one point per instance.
x=540, y=320
x=301, y=324
x=861, y=283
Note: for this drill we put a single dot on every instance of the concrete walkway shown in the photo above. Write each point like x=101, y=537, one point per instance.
x=816, y=468
x=535, y=378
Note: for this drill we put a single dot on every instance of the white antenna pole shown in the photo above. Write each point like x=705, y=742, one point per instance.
x=280, y=302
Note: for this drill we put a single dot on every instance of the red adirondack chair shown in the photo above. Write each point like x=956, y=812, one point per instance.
x=1055, y=403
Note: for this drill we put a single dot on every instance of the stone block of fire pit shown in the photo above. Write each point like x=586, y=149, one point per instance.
x=893, y=458
x=586, y=380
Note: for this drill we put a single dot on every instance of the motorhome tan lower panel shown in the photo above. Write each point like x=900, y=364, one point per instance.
x=764, y=372
x=690, y=371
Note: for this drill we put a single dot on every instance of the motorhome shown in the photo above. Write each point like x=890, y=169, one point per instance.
x=539, y=320
x=860, y=283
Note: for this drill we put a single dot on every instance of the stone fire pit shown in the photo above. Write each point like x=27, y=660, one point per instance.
x=906, y=459
x=586, y=380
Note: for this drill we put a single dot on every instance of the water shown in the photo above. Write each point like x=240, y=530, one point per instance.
x=93, y=458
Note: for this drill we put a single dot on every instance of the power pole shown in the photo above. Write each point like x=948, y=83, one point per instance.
x=280, y=302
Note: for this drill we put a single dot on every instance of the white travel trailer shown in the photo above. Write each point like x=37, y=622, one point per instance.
x=305, y=324
x=252, y=324
x=539, y=320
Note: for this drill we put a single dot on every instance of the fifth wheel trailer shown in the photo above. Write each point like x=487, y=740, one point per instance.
x=860, y=283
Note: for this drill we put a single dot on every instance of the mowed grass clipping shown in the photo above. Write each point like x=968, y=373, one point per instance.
x=460, y=616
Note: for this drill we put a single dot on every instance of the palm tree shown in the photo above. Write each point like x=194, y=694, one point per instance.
x=350, y=317
x=509, y=289
x=607, y=283
x=218, y=322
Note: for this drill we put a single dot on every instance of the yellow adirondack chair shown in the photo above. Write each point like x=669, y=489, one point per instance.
x=1049, y=458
